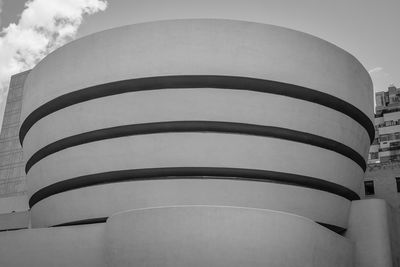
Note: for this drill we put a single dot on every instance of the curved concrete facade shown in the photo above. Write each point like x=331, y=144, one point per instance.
x=181, y=236
x=189, y=47
x=191, y=104
x=221, y=236
x=196, y=112
x=81, y=245
x=58, y=209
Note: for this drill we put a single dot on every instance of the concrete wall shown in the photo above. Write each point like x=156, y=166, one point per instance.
x=370, y=228
x=210, y=236
x=217, y=47
x=195, y=150
x=181, y=236
x=308, y=164
x=117, y=197
x=194, y=104
x=189, y=48
x=394, y=222
x=14, y=204
x=15, y=220
x=221, y=236
x=62, y=246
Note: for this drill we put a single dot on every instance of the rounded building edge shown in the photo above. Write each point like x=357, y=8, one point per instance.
x=40, y=90
x=197, y=48
x=253, y=237
x=221, y=236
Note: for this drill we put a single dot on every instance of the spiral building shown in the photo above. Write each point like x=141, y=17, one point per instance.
x=197, y=143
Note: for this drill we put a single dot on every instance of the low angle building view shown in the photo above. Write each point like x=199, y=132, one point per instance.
x=382, y=178
x=197, y=142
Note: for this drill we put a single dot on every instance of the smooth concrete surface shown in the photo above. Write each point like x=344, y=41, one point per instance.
x=261, y=226
x=200, y=46
x=196, y=47
x=189, y=150
x=369, y=229
x=197, y=104
x=177, y=236
x=104, y=200
x=394, y=222
x=203, y=149
x=14, y=220
x=71, y=246
x=14, y=204
x=198, y=236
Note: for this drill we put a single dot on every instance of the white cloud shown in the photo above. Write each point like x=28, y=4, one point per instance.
x=44, y=25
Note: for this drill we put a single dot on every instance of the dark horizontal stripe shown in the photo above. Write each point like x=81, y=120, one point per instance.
x=196, y=126
x=334, y=228
x=13, y=229
x=331, y=227
x=85, y=221
x=191, y=173
x=197, y=81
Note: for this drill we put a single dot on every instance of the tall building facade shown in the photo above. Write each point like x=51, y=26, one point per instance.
x=199, y=143
x=386, y=146
x=13, y=192
x=382, y=179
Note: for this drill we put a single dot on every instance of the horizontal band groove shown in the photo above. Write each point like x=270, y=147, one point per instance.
x=331, y=227
x=81, y=222
x=196, y=126
x=191, y=173
x=197, y=81
x=337, y=229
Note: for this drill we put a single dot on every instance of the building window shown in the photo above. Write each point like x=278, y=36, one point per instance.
x=374, y=155
x=369, y=188
x=384, y=138
x=398, y=183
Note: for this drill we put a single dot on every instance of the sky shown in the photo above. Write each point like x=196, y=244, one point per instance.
x=36, y=29
x=368, y=29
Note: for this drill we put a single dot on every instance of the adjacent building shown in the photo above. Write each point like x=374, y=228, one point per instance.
x=386, y=146
x=12, y=175
x=13, y=189
x=199, y=142
x=382, y=179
